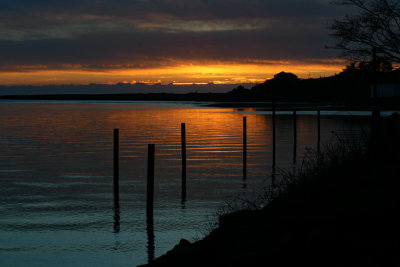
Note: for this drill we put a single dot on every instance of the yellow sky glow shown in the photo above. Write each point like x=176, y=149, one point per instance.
x=181, y=74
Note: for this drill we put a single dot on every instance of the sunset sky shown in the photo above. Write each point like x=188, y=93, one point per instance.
x=164, y=41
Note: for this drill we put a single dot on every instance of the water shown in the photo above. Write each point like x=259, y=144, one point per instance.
x=56, y=171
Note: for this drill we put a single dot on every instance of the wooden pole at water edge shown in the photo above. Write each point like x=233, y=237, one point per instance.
x=116, y=162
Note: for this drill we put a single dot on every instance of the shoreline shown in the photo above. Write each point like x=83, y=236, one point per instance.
x=218, y=100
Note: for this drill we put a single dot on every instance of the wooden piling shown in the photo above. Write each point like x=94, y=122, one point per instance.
x=117, y=216
x=273, y=174
x=183, y=144
x=294, y=136
x=149, y=203
x=376, y=116
x=273, y=134
x=374, y=81
x=116, y=162
x=244, y=147
x=319, y=131
x=150, y=180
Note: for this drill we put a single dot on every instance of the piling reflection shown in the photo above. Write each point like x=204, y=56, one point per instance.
x=183, y=197
x=117, y=216
x=244, y=151
x=150, y=237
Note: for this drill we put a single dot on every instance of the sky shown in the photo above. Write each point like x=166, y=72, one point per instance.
x=164, y=41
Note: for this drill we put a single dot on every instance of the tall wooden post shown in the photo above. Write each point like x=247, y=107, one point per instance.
x=149, y=203
x=150, y=179
x=375, y=92
x=376, y=123
x=294, y=136
x=183, y=144
x=116, y=162
x=319, y=131
x=273, y=134
x=244, y=148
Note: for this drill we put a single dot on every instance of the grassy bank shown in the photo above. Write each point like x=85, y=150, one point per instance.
x=340, y=209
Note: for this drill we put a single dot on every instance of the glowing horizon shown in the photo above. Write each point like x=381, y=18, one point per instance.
x=180, y=74
x=180, y=42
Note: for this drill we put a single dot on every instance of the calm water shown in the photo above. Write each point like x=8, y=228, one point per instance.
x=56, y=170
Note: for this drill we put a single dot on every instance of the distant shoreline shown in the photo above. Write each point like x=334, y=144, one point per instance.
x=348, y=90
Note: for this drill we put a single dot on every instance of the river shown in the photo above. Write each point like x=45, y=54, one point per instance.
x=56, y=173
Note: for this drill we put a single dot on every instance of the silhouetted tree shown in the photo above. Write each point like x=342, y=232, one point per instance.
x=382, y=65
x=377, y=25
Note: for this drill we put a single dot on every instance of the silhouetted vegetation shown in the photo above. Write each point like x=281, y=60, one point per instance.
x=376, y=25
x=351, y=88
x=340, y=209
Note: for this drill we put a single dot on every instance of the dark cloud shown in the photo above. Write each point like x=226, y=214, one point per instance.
x=147, y=33
x=179, y=8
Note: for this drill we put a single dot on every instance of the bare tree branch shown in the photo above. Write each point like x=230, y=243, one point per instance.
x=377, y=25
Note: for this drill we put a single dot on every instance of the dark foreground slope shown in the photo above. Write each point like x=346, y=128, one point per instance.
x=342, y=211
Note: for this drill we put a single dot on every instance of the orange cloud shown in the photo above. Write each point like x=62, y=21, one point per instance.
x=219, y=73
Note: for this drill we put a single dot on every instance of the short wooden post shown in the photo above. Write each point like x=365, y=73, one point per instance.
x=273, y=134
x=116, y=162
x=150, y=179
x=319, y=131
x=183, y=144
x=244, y=147
x=294, y=136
